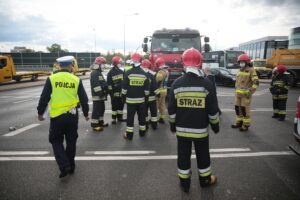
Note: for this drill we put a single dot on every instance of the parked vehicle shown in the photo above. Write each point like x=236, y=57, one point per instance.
x=169, y=44
x=261, y=69
x=296, y=147
x=224, y=77
x=8, y=71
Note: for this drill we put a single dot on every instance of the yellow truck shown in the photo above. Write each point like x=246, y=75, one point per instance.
x=290, y=58
x=77, y=70
x=261, y=69
x=8, y=71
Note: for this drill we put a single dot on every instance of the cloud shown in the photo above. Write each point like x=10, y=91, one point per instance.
x=30, y=28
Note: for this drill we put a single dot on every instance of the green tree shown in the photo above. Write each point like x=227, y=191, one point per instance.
x=29, y=50
x=55, y=48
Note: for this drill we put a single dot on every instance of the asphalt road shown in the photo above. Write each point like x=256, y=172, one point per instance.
x=252, y=165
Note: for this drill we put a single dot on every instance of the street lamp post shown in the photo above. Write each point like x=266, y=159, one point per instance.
x=124, y=39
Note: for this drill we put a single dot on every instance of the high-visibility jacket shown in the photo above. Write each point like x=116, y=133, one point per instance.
x=135, y=86
x=193, y=106
x=161, y=79
x=64, y=93
x=246, y=81
x=280, y=86
x=114, y=81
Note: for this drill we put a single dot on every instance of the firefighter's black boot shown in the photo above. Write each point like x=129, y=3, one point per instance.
x=120, y=118
x=128, y=136
x=154, y=125
x=205, y=182
x=244, y=128
x=142, y=133
x=102, y=124
x=161, y=121
x=114, y=121
x=185, y=184
x=237, y=125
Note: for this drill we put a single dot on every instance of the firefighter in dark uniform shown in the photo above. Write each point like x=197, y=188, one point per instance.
x=154, y=94
x=192, y=107
x=99, y=91
x=279, y=90
x=65, y=92
x=135, y=91
x=114, y=81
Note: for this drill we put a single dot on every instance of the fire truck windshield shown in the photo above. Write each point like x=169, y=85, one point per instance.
x=170, y=44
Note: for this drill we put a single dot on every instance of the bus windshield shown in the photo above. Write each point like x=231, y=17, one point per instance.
x=171, y=44
x=232, y=58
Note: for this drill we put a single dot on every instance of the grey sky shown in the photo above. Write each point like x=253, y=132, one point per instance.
x=75, y=24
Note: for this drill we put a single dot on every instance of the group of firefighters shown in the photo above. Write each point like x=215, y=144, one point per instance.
x=192, y=105
x=139, y=87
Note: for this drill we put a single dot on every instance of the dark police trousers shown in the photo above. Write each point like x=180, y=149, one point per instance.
x=140, y=108
x=64, y=126
x=117, y=106
x=202, y=155
x=97, y=113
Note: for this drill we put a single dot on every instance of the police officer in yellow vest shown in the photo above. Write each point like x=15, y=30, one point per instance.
x=65, y=92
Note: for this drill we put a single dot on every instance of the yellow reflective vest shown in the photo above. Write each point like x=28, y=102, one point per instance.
x=64, y=95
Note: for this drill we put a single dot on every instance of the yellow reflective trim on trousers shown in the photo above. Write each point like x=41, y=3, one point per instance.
x=172, y=120
x=191, y=135
x=190, y=94
x=184, y=176
x=242, y=91
x=246, y=120
x=163, y=90
x=238, y=119
x=281, y=112
x=137, y=101
x=206, y=173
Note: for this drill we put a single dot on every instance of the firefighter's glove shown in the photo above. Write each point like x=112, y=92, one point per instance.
x=215, y=128
x=172, y=127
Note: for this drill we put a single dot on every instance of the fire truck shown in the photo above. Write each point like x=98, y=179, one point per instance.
x=169, y=44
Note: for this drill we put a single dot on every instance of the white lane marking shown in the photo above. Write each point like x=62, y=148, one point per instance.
x=120, y=152
x=18, y=131
x=161, y=157
x=23, y=101
x=23, y=153
x=254, y=110
x=229, y=150
x=251, y=154
x=5, y=97
x=223, y=110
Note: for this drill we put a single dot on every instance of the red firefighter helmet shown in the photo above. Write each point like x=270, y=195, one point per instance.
x=116, y=60
x=160, y=62
x=100, y=60
x=245, y=58
x=136, y=57
x=281, y=69
x=192, y=58
x=146, y=63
